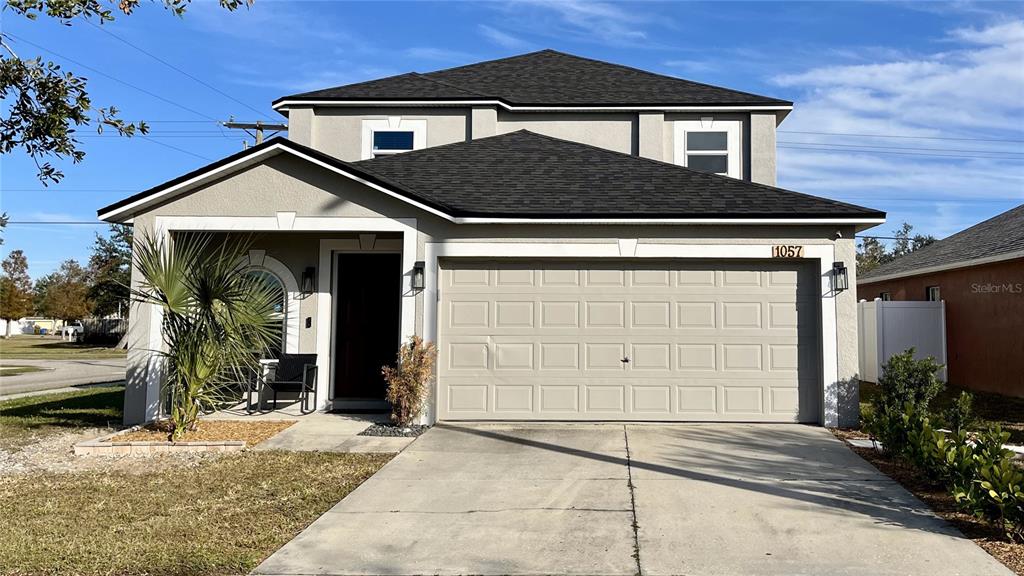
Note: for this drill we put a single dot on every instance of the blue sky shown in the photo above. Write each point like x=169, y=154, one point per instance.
x=951, y=76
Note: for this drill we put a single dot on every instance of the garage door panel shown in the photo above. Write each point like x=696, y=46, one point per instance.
x=683, y=340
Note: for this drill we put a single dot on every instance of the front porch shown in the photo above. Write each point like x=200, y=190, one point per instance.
x=347, y=305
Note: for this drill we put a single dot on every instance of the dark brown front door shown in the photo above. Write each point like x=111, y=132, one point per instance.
x=367, y=325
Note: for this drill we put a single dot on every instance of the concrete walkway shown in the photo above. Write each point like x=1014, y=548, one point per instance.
x=59, y=374
x=614, y=499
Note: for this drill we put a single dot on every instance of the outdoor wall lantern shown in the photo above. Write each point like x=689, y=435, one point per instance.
x=419, y=277
x=308, y=276
x=840, y=277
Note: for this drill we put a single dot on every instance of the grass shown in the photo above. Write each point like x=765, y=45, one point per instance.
x=26, y=418
x=221, y=517
x=26, y=347
x=15, y=370
x=989, y=409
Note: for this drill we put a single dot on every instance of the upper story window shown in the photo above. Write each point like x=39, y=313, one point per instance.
x=709, y=145
x=933, y=294
x=392, y=135
x=388, y=142
x=885, y=296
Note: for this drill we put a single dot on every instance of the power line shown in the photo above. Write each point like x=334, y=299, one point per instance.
x=898, y=148
x=57, y=222
x=899, y=136
x=182, y=150
x=173, y=67
x=899, y=153
x=104, y=74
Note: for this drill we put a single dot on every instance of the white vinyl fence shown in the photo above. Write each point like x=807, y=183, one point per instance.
x=888, y=327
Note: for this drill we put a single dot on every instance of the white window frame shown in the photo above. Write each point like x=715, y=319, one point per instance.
x=710, y=124
x=418, y=127
x=930, y=290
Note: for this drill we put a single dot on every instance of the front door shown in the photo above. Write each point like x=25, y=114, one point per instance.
x=367, y=323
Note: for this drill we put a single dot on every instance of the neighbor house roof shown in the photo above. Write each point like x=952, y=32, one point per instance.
x=523, y=175
x=546, y=78
x=995, y=239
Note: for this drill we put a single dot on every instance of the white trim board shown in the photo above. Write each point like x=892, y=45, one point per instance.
x=824, y=253
x=285, y=104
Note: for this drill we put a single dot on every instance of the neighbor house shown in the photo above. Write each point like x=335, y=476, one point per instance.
x=979, y=274
x=583, y=241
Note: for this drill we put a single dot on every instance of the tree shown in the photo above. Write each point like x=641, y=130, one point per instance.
x=15, y=289
x=66, y=295
x=216, y=315
x=44, y=103
x=872, y=253
x=110, y=271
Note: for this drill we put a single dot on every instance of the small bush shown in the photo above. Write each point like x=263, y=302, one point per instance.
x=906, y=386
x=408, y=380
x=960, y=415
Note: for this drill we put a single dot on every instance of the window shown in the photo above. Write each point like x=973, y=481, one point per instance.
x=392, y=135
x=932, y=294
x=391, y=142
x=273, y=283
x=885, y=296
x=709, y=145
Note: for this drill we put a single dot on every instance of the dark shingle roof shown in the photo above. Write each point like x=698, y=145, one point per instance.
x=545, y=78
x=523, y=174
x=527, y=175
x=999, y=235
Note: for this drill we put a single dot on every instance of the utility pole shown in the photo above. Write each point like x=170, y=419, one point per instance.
x=259, y=126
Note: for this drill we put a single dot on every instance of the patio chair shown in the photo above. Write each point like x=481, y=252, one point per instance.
x=294, y=373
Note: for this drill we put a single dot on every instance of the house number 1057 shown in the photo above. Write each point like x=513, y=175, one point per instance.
x=786, y=251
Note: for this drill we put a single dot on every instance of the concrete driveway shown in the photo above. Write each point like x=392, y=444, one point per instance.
x=614, y=499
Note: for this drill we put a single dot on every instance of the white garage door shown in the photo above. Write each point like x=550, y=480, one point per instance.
x=682, y=340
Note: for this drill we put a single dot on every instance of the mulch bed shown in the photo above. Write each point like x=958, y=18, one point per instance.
x=394, y=430
x=938, y=499
x=251, y=432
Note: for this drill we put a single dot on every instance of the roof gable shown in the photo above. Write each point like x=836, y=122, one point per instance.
x=545, y=78
x=1001, y=235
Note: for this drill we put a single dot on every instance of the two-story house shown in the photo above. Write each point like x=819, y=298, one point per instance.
x=582, y=240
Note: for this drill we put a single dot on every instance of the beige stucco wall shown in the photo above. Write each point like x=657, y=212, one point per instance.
x=612, y=131
x=762, y=148
x=287, y=184
x=339, y=131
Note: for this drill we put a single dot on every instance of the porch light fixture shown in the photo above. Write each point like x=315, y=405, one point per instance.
x=419, y=277
x=840, y=277
x=308, y=276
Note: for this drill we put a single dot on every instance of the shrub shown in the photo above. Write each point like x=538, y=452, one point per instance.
x=906, y=386
x=1000, y=497
x=960, y=415
x=408, y=380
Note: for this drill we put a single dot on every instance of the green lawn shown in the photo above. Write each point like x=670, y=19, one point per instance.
x=1007, y=411
x=22, y=419
x=10, y=370
x=221, y=517
x=53, y=348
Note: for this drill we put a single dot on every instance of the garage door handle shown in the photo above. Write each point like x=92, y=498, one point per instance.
x=625, y=360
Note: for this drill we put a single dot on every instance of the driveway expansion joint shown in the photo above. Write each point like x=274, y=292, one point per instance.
x=632, y=503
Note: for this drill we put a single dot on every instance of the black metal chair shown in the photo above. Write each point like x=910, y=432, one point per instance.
x=294, y=373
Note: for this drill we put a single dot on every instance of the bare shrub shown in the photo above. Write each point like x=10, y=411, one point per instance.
x=409, y=379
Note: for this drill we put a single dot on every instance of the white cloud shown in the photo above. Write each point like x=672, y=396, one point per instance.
x=973, y=88
x=503, y=39
x=582, y=21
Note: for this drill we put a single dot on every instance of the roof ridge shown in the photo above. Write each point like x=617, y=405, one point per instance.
x=449, y=85
x=648, y=72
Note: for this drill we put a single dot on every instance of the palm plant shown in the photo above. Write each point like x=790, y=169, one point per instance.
x=217, y=319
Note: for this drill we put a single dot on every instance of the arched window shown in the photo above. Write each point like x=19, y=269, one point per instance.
x=276, y=285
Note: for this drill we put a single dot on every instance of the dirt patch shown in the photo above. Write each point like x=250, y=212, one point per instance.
x=938, y=499
x=252, y=433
